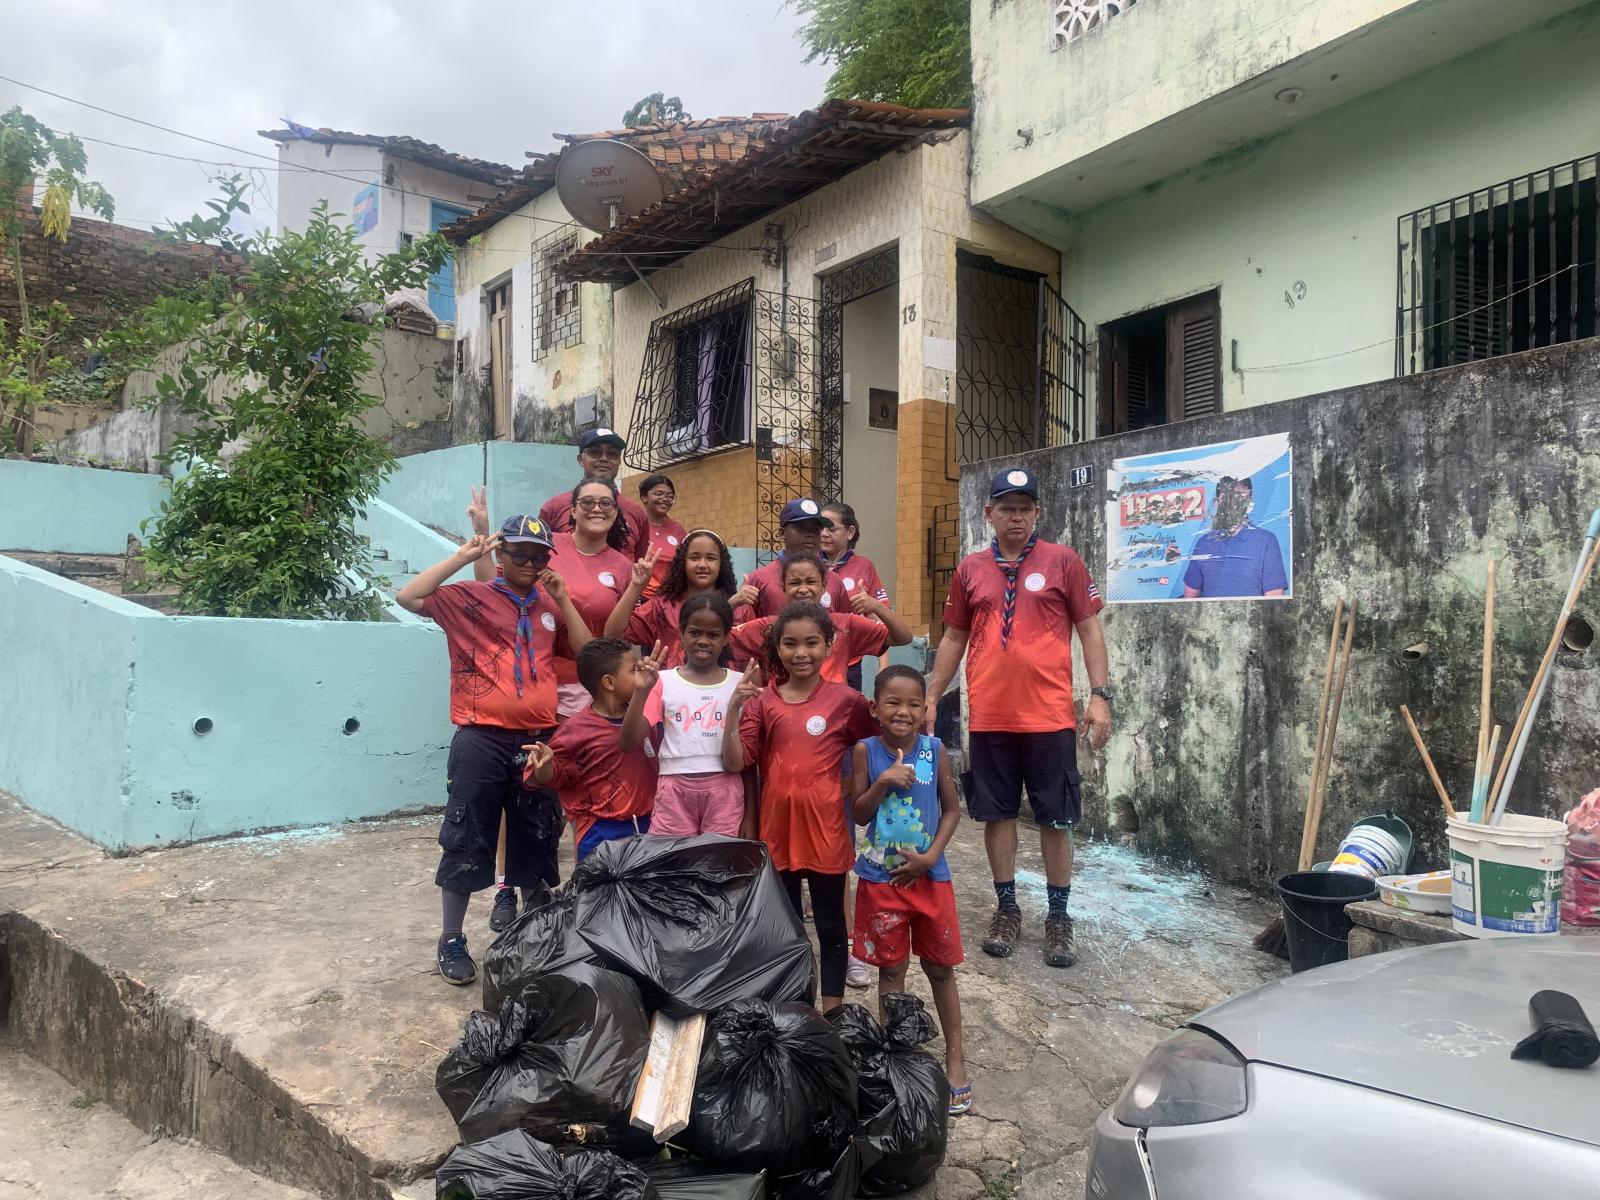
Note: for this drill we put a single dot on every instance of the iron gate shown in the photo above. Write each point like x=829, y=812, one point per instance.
x=1020, y=362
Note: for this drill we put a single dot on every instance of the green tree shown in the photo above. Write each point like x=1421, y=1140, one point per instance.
x=271, y=533
x=31, y=151
x=916, y=52
x=656, y=108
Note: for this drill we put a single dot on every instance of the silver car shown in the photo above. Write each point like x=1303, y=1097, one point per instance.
x=1388, y=1076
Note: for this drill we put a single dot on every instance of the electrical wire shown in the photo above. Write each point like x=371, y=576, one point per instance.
x=1414, y=333
x=313, y=170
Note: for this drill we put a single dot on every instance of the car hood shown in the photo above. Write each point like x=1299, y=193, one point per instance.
x=1436, y=1023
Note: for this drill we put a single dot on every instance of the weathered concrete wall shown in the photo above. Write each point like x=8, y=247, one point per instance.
x=1403, y=490
x=412, y=376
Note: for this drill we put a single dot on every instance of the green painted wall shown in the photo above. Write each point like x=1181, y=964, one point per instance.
x=75, y=510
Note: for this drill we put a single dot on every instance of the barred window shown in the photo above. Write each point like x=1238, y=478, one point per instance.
x=557, y=307
x=694, y=385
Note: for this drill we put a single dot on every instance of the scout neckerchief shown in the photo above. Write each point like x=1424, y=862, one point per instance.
x=524, y=642
x=1012, y=568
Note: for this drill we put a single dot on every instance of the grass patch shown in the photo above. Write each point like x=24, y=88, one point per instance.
x=84, y=1100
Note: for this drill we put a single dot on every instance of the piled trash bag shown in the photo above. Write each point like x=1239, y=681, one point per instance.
x=902, y=1092
x=565, y=1051
x=542, y=1082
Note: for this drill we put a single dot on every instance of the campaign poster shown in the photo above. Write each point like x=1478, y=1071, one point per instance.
x=364, y=213
x=1203, y=523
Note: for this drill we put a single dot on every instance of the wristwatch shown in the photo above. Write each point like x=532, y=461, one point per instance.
x=1107, y=693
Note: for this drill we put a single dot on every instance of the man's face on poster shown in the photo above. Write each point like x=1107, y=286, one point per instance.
x=1233, y=500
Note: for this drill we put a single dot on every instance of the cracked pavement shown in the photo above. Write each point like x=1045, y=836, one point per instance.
x=310, y=952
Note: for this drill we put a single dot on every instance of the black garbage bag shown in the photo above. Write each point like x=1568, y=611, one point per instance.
x=699, y=921
x=564, y=1052
x=540, y=939
x=903, y=1094
x=516, y=1166
x=776, y=1090
x=837, y=1178
x=680, y=1179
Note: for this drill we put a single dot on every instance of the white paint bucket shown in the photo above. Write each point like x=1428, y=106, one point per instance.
x=1506, y=878
x=1369, y=850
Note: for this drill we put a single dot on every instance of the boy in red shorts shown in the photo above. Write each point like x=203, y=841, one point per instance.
x=905, y=797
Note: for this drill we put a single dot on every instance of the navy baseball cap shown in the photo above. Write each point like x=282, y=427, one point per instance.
x=527, y=530
x=798, y=511
x=602, y=437
x=1015, y=479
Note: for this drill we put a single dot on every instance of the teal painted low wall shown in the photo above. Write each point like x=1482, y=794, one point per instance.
x=102, y=696
x=73, y=510
x=434, y=488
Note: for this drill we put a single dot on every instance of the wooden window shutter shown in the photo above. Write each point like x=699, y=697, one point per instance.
x=1194, y=359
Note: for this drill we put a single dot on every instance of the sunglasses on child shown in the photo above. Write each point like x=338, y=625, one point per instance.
x=524, y=557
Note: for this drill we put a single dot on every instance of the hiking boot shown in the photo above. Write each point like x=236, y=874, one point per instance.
x=1004, y=929
x=1058, y=948
x=505, y=908
x=455, y=964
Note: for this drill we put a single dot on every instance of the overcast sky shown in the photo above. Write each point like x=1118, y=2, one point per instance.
x=491, y=78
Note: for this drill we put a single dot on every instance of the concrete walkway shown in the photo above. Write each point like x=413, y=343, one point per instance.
x=291, y=978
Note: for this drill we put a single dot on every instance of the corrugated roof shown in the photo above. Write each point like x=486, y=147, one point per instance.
x=400, y=146
x=781, y=161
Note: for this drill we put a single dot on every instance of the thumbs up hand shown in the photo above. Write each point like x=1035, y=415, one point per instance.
x=901, y=777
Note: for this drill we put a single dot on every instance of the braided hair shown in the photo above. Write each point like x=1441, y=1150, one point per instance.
x=676, y=585
x=799, y=610
x=618, y=535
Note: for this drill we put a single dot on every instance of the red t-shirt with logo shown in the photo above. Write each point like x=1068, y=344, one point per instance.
x=853, y=637
x=556, y=513
x=858, y=574
x=768, y=582
x=665, y=537
x=1025, y=687
x=799, y=749
x=595, y=582
x=596, y=779
x=480, y=630
x=656, y=620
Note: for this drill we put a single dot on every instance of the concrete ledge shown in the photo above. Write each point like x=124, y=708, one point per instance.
x=1377, y=927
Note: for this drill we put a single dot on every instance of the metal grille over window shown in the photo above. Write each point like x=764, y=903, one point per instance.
x=557, y=308
x=694, y=385
x=799, y=407
x=1071, y=19
x=1020, y=362
x=1510, y=267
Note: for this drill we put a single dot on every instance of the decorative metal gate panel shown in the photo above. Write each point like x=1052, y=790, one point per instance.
x=1021, y=362
x=798, y=402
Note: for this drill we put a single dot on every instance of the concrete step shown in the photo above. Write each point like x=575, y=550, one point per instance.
x=58, y=1141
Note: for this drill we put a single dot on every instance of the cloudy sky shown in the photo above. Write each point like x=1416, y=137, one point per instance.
x=491, y=78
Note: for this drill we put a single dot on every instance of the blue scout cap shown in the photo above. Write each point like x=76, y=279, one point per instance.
x=1015, y=479
x=798, y=511
x=529, y=530
x=602, y=437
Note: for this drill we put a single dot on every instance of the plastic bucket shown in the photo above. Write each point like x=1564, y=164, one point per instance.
x=1505, y=879
x=1313, y=914
x=1377, y=845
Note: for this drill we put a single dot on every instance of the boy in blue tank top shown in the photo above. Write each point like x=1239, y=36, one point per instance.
x=905, y=801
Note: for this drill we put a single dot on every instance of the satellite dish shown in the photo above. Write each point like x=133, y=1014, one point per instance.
x=604, y=183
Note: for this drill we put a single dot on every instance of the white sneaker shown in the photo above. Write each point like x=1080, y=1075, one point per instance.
x=858, y=974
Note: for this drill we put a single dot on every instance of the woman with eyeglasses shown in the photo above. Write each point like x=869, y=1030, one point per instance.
x=593, y=560
x=658, y=496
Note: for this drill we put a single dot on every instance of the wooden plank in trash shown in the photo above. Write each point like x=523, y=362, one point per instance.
x=666, y=1086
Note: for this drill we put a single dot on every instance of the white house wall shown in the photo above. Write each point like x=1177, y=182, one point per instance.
x=544, y=390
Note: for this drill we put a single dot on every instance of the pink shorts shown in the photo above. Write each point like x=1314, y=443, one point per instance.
x=691, y=804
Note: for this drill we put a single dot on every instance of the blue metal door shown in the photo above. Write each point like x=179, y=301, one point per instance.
x=442, y=286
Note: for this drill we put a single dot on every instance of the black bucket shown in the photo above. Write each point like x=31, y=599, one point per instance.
x=1313, y=913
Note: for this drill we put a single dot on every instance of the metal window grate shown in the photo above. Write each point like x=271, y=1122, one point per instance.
x=1506, y=268
x=799, y=407
x=1071, y=19
x=694, y=384
x=557, y=302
